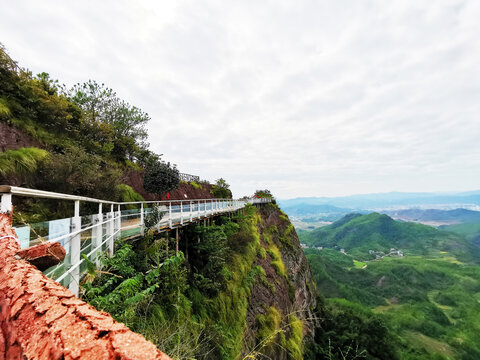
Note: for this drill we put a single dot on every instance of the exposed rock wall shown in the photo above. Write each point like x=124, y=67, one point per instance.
x=12, y=138
x=39, y=319
x=290, y=294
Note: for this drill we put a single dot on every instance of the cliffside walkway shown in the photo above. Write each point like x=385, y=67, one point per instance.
x=91, y=235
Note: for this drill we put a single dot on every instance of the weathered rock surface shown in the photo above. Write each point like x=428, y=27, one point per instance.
x=293, y=294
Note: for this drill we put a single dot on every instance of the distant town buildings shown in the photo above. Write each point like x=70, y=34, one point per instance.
x=381, y=254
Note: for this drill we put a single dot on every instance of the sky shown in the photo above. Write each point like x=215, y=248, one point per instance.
x=302, y=97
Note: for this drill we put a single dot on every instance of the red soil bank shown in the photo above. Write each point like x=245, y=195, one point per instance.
x=184, y=191
x=40, y=319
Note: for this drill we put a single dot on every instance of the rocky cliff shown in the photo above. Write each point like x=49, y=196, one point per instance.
x=279, y=315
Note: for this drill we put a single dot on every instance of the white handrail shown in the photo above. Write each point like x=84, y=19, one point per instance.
x=175, y=216
x=20, y=191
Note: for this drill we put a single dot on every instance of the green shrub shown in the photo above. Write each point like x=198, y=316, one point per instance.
x=160, y=177
x=264, y=194
x=294, y=342
x=277, y=261
x=196, y=185
x=75, y=171
x=127, y=194
x=23, y=161
x=4, y=109
x=268, y=327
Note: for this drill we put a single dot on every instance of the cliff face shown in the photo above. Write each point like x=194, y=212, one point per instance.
x=280, y=307
x=12, y=138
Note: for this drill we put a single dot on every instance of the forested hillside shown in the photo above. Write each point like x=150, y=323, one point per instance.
x=82, y=140
x=426, y=291
x=367, y=236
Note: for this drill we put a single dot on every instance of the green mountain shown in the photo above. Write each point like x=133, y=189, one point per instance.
x=428, y=298
x=429, y=305
x=366, y=236
x=470, y=230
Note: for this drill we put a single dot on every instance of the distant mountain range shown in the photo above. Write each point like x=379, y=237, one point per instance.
x=392, y=200
x=455, y=216
x=305, y=209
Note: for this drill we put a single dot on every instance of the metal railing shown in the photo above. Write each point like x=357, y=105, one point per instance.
x=189, y=177
x=94, y=234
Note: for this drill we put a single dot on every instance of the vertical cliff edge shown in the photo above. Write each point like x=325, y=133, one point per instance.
x=280, y=308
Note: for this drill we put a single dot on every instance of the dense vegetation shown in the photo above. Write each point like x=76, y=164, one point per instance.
x=428, y=300
x=193, y=303
x=366, y=236
x=471, y=231
x=80, y=140
x=221, y=189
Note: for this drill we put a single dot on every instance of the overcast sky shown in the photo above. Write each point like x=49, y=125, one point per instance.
x=305, y=98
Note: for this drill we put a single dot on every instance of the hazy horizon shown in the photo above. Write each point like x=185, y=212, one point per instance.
x=305, y=98
x=390, y=192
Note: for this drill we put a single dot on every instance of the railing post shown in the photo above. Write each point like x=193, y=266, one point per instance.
x=97, y=233
x=118, y=224
x=6, y=205
x=191, y=211
x=205, y=208
x=198, y=209
x=170, y=214
x=181, y=212
x=75, y=246
x=111, y=230
x=142, y=221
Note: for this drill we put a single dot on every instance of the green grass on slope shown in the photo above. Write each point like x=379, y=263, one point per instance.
x=431, y=304
x=471, y=231
x=23, y=161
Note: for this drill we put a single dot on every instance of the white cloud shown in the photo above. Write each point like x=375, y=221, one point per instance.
x=303, y=97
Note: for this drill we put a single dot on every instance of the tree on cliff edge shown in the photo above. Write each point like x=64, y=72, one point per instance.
x=160, y=177
x=221, y=189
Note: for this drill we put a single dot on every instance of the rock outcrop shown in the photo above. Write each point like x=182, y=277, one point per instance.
x=289, y=289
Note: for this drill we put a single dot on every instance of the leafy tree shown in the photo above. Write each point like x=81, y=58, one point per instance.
x=263, y=194
x=221, y=189
x=212, y=254
x=349, y=331
x=160, y=177
x=102, y=108
x=77, y=172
